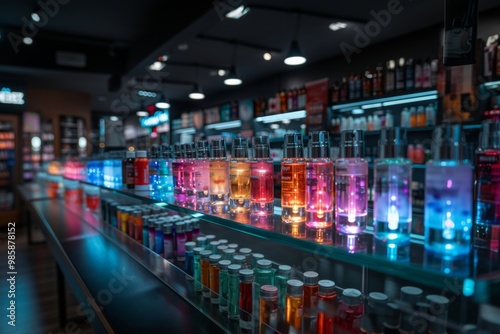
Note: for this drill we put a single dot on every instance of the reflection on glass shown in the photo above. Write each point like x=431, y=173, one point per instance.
x=393, y=251
x=353, y=243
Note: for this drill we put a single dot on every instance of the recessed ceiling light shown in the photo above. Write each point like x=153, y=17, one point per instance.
x=142, y=113
x=221, y=72
x=113, y=118
x=157, y=66
x=267, y=56
x=28, y=40
x=237, y=12
x=196, y=96
x=162, y=105
x=337, y=26
x=183, y=47
x=163, y=58
x=35, y=17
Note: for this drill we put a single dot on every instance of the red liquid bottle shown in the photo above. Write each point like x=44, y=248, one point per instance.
x=246, y=298
x=348, y=319
x=327, y=307
x=487, y=188
x=310, y=293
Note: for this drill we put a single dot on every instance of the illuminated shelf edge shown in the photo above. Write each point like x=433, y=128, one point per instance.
x=388, y=101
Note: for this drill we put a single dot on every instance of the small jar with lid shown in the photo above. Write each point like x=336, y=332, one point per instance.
x=214, y=277
x=158, y=237
x=246, y=298
x=268, y=308
x=180, y=240
x=205, y=272
x=189, y=258
x=223, y=284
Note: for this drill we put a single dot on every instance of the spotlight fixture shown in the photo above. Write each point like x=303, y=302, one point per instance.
x=232, y=78
x=157, y=66
x=267, y=56
x=162, y=103
x=337, y=26
x=35, y=16
x=221, y=72
x=28, y=40
x=113, y=119
x=142, y=113
x=237, y=12
x=295, y=57
x=196, y=94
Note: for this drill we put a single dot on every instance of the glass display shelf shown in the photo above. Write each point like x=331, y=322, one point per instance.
x=480, y=279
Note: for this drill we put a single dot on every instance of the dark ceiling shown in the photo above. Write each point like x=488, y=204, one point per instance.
x=124, y=37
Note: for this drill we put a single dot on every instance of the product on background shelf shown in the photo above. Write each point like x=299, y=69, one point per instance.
x=378, y=80
x=310, y=303
x=178, y=176
x=293, y=174
x=427, y=74
x=351, y=184
x=390, y=76
x=294, y=304
x=268, y=304
x=141, y=172
x=367, y=83
x=239, y=177
x=410, y=74
x=246, y=298
x=219, y=181
x=165, y=182
x=261, y=184
x=399, y=75
x=350, y=311
x=319, y=189
x=327, y=307
x=205, y=272
x=448, y=203
x=129, y=176
x=223, y=285
x=214, y=278
x=202, y=176
x=188, y=152
x=418, y=74
x=154, y=171
x=487, y=187
x=233, y=295
x=392, y=207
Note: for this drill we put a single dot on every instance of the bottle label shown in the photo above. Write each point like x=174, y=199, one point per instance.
x=141, y=172
x=239, y=178
x=293, y=184
x=168, y=248
x=488, y=187
x=130, y=174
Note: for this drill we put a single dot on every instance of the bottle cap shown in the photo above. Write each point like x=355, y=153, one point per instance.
x=210, y=237
x=239, y=148
x=245, y=251
x=311, y=278
x=392, y=315
x=284, y=270
x=218, y=148
x=215, y=258
x=201, y=241
x=234, y=269
x=246, y=275
x=490, y=134
x=392, y=143
x=180, y=227
x=177, y=151
x=293, y=147
x=410, y=294
x=198, y=250
x=221, y=248
x=352, y=144
x=352, y=297
x=239, y=259
x=158, y=225
x=166, y=151
x=326, y=287
x=190, y=246
x=202, y=149
x=268, y=291
x=234, y=246
x=377, y=301
x=223, y=241
x=294, y=287
x=257, y=256
x=260, y=147
x=319, y=144
x=188, y=150
x=130, y=155
x=205, y=254
x=229, y=251
x=224, y=264
x=154, y=151
x=448, y=143
x=189, y=226
x=151, y=222
x=142, y=154
x=264, y=264
x=214, y=243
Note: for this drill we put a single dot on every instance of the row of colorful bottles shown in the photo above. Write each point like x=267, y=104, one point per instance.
x=283, y=101
x=398, y=75
x=418, y=116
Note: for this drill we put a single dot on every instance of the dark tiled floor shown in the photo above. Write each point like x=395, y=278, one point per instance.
x=36, y=289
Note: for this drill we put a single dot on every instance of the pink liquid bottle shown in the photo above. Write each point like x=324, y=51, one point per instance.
x=319, y=189
x=261, y=184
x=350, y=312
x=178, y=175
x=189, y=175
x=351, y=184
x=202, y=176
x=487, y=188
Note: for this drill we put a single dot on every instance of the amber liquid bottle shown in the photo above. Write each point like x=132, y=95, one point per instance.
x=294, y=301
x=310, y=294
x=239, y=178
x=214, y=278
x=268, y=314
x=246, y=298
x=327, y=307
x=205, y=272
x=293, y=186
x=219, y=182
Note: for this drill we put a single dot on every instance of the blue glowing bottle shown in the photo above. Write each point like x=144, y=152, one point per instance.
x=166, y=182
x=154, y=172
x=392, y=197
x=448, y=203
x=178, y=176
